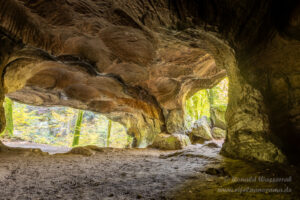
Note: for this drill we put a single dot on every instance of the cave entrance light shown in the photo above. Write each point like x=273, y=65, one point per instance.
x=207, y=107
x=52, y=128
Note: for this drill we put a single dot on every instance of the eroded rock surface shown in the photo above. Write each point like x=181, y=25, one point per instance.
x=171, y=142
x=107, y=61
x=218, y=133
x=137, y=61
x=218, y=117
x=201, y=129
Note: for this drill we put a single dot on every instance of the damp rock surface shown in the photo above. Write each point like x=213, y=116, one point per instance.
x=170, y=142
x=137, y=61
x=218, y=133
x=201, y=129
x=218, y=117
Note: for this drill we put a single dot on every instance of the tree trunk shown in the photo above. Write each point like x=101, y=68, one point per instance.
x=77, y=128
x=9, y=128
x=108, y=133
x=210, y=95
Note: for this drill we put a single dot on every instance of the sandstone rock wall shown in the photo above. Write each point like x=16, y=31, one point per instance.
x=137, y=61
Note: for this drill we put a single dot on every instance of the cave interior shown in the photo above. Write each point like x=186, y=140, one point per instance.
x=137, y=62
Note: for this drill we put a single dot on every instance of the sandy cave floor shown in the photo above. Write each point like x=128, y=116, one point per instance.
x=197, y=172
x=44, y=147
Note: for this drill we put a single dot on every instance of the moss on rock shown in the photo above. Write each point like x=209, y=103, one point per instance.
x=171, y=142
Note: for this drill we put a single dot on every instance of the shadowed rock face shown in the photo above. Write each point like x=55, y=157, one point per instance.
x=137, y=61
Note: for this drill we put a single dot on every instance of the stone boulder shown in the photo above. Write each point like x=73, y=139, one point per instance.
x=174, y=121
x=170, y=142
x=200, y=130
x=218, y=133
x=218, y=117
x=134, y=64
x=85, y=151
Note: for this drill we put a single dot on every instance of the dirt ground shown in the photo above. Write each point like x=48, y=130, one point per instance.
x=196, y=172
x=44, y=147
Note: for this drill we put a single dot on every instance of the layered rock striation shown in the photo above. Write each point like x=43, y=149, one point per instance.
x=137, y=61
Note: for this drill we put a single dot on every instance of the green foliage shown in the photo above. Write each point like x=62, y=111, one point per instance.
x=108, y=132
x=197, y=106
x=56, y=126
x=9, y=128
x=200, y=103
x=77, y=128
x=220, y=95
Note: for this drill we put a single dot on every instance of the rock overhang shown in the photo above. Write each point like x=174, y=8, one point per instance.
x=137, y=61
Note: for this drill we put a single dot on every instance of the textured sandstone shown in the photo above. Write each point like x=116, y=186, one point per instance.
x=171, y=142
x=201, y=129
x=218, y=133
x=137, y=61
x=218, y=117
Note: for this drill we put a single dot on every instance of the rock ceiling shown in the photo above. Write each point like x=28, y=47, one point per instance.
x=136, y=61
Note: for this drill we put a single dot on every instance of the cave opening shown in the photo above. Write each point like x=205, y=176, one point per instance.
x=53, y=129
x=204, y=114
x=141, y=63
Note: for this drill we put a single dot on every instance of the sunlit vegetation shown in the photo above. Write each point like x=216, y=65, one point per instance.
x=9, y=128
x=62, y=126
x=65, y=126
x=108, y=132
x=201, y=102
x=77, y=128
